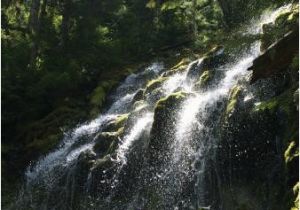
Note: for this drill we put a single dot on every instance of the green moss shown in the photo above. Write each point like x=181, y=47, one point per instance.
x=285, y=22
x=170, y=99
x=283, y=101
x=181, y=64
x=106, y=142
x=138, y=105
x=296, y=194
x=291, y=152
x=205, y=77
x=121, y=119
x=233, y=99
x=153, y=84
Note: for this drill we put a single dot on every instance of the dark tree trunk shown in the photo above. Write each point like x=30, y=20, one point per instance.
x=33, y=27
x=65, y=26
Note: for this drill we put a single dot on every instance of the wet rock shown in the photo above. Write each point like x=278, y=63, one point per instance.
x=138, y=96
x=86, y=160
x=138, y=105
x=204, y=79
x=277, y=58
x=116, y=123
x=154, y=84
x=210, y=60
x=101, y=177
x=234, y=94
x=163, y=126
x=106, y=142
x=179, y=67
x=284, y=23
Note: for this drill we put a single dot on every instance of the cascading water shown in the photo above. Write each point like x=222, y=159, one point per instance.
x=181, y=182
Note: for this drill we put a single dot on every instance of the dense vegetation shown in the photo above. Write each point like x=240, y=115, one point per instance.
x=60, y=58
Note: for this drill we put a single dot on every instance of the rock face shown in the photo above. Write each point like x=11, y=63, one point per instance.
x=163, y=126
x=285, y=22
x=258, y=154
x=279, y=44
x=277, y=57
x=210, y=60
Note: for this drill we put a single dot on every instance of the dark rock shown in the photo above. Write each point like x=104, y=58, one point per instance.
x=210, y=60
x=163, y=125
x=138, y=96
x=106, y=142
x=277, y=58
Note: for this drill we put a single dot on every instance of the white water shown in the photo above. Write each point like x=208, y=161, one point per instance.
x=255, y=26
x=141, y=125
x=43, y=171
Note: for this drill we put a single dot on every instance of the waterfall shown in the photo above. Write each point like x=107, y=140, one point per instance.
x=181, y=181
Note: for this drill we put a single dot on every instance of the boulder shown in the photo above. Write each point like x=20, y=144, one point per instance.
x=106, y=142
x=154, y=84
x=116, y=123
x=277, y=58
x=210, y=60
x=284, y=23
x=204, y=79
x=138, y=96
x=163, y=126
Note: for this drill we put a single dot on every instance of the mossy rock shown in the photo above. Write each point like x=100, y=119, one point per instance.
x=296, y=195
x=234, y=94
x=170, y=101
x=117, y=123
x=285, y=22
x=291, y=152
x=154, y=84
x=98, y=96
x=138, y=96
x=210, y=60
x=181, y=64
x=179, y=67
x=106, y=142
x=138, y=105
x=284, y=102
x=204, y=79
x=165, y=114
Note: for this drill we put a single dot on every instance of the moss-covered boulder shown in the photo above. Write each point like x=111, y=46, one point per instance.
x=277, y=57
x=163, y=127
x=210, y=60
x=139, y=105
x=204, y=79
x=233, y=99
x=101, y=175
x=116, y=123
x=285, y=22
x=295, y=205
x=106, y=142
x=178, y=68
x=154, y=84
